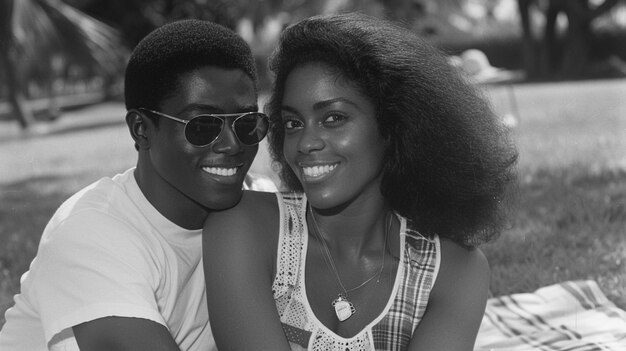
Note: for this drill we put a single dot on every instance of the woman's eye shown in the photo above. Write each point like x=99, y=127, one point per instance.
x=334, y=118
x=291, y=124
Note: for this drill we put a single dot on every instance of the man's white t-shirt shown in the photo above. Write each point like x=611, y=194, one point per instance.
x=108, y=252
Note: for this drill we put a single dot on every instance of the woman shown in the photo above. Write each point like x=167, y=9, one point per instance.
x=404, y=170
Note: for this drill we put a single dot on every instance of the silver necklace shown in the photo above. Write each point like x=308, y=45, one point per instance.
x=344, y=308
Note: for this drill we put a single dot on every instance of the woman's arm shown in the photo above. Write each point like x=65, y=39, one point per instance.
x=457, y=301
x=239, y=249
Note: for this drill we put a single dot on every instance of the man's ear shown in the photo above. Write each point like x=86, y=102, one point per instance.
x=139, y=125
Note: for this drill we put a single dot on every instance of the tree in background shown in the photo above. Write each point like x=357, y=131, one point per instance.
x=7, y=64
x=544, y=56
x=260, y=22
x=37, y=35
x=136, y=18
x=559, y=38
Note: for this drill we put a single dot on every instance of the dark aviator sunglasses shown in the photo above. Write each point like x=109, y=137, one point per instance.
x=202, y=130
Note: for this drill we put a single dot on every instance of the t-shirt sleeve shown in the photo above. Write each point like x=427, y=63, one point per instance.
x=93, y=266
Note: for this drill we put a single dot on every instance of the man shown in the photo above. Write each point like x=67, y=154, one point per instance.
x=119, y=264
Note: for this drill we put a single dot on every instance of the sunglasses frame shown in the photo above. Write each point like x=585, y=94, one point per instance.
x=221, y=116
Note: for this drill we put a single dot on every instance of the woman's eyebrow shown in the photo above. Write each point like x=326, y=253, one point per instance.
x=322, y=104
x=325, y=103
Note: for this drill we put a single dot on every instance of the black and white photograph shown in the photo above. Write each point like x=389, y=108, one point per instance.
x=288, y=175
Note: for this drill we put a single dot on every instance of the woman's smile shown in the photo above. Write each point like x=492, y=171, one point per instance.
x=317, y=172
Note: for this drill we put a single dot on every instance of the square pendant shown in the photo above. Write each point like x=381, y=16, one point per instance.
x=343, y=308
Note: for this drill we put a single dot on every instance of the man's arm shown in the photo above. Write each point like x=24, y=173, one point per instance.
x=123, y=334
x=457, y=301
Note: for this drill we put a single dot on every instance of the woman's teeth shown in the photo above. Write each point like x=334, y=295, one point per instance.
x=317, y=171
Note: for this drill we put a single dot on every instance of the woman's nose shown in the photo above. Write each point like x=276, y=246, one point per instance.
x=311, y=140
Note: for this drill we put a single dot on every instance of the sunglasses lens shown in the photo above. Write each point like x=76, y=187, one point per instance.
x=251, y=128
x=203, y=130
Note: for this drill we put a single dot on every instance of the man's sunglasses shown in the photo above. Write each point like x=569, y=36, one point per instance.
x=202, y=130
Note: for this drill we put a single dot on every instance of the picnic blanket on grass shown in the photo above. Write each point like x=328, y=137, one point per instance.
x=569, y=316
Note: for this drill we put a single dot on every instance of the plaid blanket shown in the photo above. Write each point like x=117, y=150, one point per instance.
x=570, y=316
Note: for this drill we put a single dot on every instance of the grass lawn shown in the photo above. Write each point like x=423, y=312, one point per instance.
x=569, y=223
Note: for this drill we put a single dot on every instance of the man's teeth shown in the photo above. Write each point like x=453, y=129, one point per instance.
x=224, y=172
x=317, y=171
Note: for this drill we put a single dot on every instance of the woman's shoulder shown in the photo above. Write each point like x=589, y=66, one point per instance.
x=253, y=204
x=457, y=300
x=245, y=234
x=459, y=264
x=461, y=257
x=257, y=213
x=258, y=200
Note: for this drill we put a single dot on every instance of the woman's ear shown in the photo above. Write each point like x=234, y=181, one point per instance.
x=138, y=127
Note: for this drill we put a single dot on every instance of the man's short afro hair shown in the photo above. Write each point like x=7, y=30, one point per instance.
x=175, y=48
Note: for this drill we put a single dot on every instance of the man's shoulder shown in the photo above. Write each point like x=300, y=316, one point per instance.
x=106, y=195
x=104, y=204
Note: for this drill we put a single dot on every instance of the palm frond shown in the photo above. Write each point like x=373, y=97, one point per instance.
x=43, y=28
